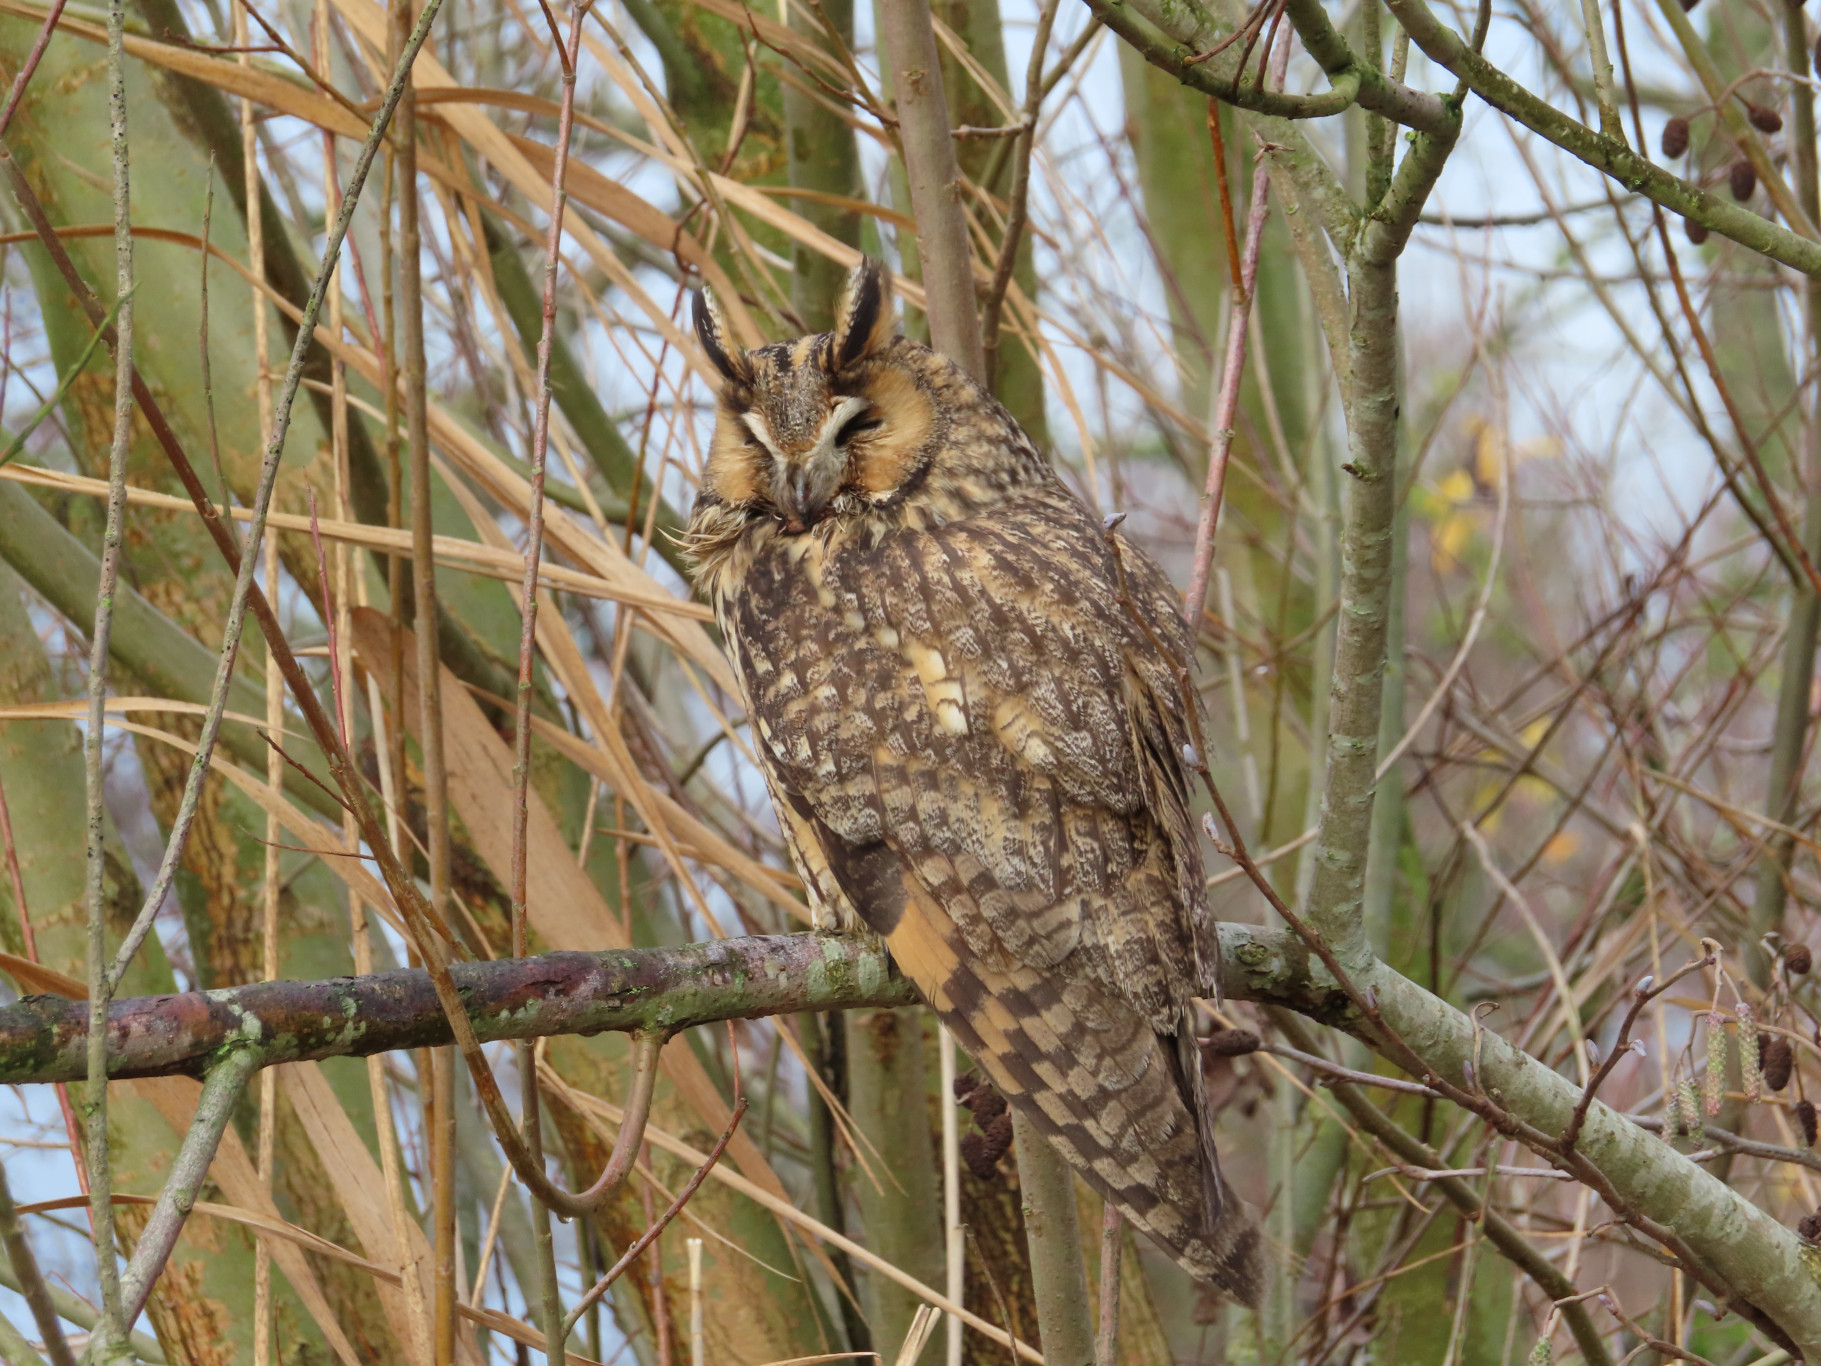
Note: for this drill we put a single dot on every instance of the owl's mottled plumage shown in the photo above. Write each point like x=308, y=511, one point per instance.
x=974, y=744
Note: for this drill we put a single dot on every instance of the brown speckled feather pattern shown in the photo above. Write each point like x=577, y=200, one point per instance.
x=972, y=733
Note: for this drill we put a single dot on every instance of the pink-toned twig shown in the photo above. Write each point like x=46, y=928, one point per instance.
x=328, y=612
x=534, y=537
x=1226, y=409
x=24, y=77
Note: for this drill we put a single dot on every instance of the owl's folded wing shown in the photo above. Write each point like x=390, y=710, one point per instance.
x=974, y=744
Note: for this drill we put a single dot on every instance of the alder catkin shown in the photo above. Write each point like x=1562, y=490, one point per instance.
x=1779, y=1060
x=1751, y=1079
x=1688, y=1102
x=1542, y=1354
x=1742, y=180
x=1713, y=1076
x=1675, y=137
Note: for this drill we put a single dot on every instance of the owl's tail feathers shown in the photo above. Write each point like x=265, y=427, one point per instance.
x=1141, y=1145
x=1230, y=1251
x=1097, y=1080
x=1229, y=1254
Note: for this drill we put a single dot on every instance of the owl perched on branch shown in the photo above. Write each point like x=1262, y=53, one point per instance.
x=965, y=697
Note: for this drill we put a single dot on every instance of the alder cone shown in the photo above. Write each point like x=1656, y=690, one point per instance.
x=1742, y=180
x=1764, y=119
x=1805, y=1116
x=1675, y=137
x=1696, y=232
x=1798, y=959
x=1232, y=1043
x=1778, y=1059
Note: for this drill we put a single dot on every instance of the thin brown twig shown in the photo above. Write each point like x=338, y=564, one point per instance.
x=645, y=1051
x=111, y=1327
x=1642, y=995
x=1013, y=239
x=1252, y=20
x=650, y=1235
x=32, y=58
x=1228, y=224
x=1226, y=411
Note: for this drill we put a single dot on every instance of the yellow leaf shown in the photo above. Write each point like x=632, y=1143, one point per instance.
x=1488, y=455
x=1451, y=537
x=1456, y=488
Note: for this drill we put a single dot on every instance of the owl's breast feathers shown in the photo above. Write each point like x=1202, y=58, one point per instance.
x=974, y=744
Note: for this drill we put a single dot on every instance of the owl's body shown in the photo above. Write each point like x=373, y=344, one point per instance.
x=965, y=697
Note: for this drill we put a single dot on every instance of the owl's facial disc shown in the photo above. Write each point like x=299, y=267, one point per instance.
x=803, y=482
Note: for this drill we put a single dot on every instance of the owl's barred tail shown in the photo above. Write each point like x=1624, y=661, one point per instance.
x=1114, y=1098
x=1163, y=1195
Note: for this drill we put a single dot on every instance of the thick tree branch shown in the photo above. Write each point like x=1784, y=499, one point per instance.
x=1351, y=81
x=1177, y=36
x=1373, y=400
x=42, y=1037
x=1220, y=76
x=1515, y=1248
x=41, y=1040
x=1759, y=1260
x=1631, y=169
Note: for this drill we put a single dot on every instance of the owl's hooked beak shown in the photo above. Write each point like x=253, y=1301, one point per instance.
x=802, y=487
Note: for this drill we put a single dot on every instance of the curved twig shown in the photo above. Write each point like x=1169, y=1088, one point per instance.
x=645, y=1050
x=645, y=1239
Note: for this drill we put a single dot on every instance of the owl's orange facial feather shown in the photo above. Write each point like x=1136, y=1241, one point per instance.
x=889, y=454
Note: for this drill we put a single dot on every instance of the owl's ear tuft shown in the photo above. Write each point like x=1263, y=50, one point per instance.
x=723, y=352
x=864, y=321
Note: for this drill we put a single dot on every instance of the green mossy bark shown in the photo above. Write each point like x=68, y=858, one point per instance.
x=901, y=1202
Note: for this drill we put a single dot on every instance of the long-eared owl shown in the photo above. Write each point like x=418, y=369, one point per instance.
x=965, y=695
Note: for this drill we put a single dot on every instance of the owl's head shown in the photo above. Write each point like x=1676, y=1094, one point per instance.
x=839, y=421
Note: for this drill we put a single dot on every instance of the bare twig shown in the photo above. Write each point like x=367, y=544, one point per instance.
x=112, y=1329
x=16, y=91
x=1026, y=130
x=645, y=1239
x=646, y=1050
x=1642, y=995
x=1335, y=1071
x=214, y=1108
x=31, y=1280
x=1225, y=416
